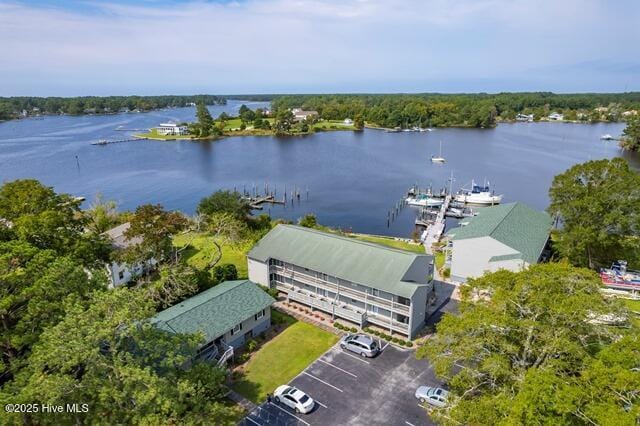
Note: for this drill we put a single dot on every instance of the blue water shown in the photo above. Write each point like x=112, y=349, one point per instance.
x=353, y=179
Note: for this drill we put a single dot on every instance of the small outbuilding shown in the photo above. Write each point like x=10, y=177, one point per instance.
x=510, y=236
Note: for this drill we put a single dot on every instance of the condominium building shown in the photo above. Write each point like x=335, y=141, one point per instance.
x=361, y=282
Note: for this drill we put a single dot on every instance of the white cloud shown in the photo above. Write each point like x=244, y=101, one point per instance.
x=313, y=45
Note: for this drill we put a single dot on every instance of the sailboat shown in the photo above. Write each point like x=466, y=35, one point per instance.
x=439, y=158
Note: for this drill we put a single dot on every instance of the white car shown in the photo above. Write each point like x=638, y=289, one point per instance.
x=432, y=396
x=294, y=398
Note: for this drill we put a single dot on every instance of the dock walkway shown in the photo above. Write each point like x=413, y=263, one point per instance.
x=434, y=230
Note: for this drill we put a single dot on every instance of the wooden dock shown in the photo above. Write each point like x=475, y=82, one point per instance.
x=109, y=142
x=435, y=228
x=257, y=202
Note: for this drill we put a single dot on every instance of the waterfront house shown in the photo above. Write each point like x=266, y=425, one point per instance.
x=168, y=129
x=524, y=117
x=299, y=114
x=510, y=236
x=361, y=282
x=227, y=315
x=121, y=273
x=348, y=121
x=556, y=116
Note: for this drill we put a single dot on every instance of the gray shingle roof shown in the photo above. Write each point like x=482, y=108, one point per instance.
x=119, y=240
x=365, y=263
x=216, y=310
x=516, y=225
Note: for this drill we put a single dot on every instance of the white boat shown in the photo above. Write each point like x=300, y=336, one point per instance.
x=606, y=137
x=438, y=158
x=423, y=200
x=481, y=195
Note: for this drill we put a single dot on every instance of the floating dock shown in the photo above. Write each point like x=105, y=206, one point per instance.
x=435, y=228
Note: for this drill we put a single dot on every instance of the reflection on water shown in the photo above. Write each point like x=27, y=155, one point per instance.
x=353, y=178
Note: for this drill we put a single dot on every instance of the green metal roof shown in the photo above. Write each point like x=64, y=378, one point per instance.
x=360, y=262
x=514, y=224
x=216, y=310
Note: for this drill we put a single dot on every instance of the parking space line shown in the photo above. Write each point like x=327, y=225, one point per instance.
x=253, y=421
x=320, y=403
x=285, y=411
x=410, y=424
x=338, y=368
x=353, y=356
x=385, y=347
x=322, y=381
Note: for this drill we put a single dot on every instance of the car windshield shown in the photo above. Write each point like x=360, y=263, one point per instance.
x=373, y=345
x=304, y=399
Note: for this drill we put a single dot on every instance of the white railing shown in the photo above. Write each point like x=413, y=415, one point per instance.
x=324, y=305
x=386, y=322
x=228, y=353
x=346, y=291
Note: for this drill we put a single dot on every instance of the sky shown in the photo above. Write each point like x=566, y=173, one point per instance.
x=147, y=47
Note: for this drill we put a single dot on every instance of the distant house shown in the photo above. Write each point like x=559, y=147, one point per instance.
x=168, y=129
x=300, y=114
x=227, y=315
x=556, y=116
x=121, y=273
x=629, y=113
x=348, y=121
x=510, y=236
x=524, y=117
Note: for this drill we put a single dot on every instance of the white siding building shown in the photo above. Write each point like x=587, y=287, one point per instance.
x=361, y=282
x=167, y=129
x=510, y=236
x=121, y=273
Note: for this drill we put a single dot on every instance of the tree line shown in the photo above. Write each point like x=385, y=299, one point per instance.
x=464, y=110
x=13, y=107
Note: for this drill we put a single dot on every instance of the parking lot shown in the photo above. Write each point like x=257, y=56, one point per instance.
x=352, y=390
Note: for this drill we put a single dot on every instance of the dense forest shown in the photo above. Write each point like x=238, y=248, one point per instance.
x=464, y=110
x=15, y=107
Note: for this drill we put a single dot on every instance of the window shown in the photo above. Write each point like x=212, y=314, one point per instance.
x=259, y=315
x=236, y=329
x=121, y=275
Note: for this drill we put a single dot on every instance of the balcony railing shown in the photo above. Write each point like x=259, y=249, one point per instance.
x=387, y=323
x=345, y=291
x=324, y=305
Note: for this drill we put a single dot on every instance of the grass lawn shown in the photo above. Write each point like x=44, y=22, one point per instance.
x=333, y=125
x=390, y=242
x=634, y=305
x=439, y=259
x=153, y=134
x=202, y=250
x=283, y=358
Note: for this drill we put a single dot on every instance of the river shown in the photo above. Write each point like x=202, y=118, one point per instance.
x=353, y=179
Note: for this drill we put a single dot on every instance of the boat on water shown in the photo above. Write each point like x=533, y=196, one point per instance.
x=423, y=200
x=480, y=195
x=101, y=142
x=438, y=158
x=607, y=137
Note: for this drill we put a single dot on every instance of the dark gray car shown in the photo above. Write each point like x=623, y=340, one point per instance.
x=360, y=344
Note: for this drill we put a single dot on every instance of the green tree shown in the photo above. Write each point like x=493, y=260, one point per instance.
x=520, y=350
x=308, y=221
x=205, y=121
x=102, y=215
x=631, y=135
x=283, y=122
x=105, y=355
x=599, y=205
x=358, y=121
x=154, y=227
x=34, y=282
x=176, y=283
x=225, y=202
x=49, y=220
